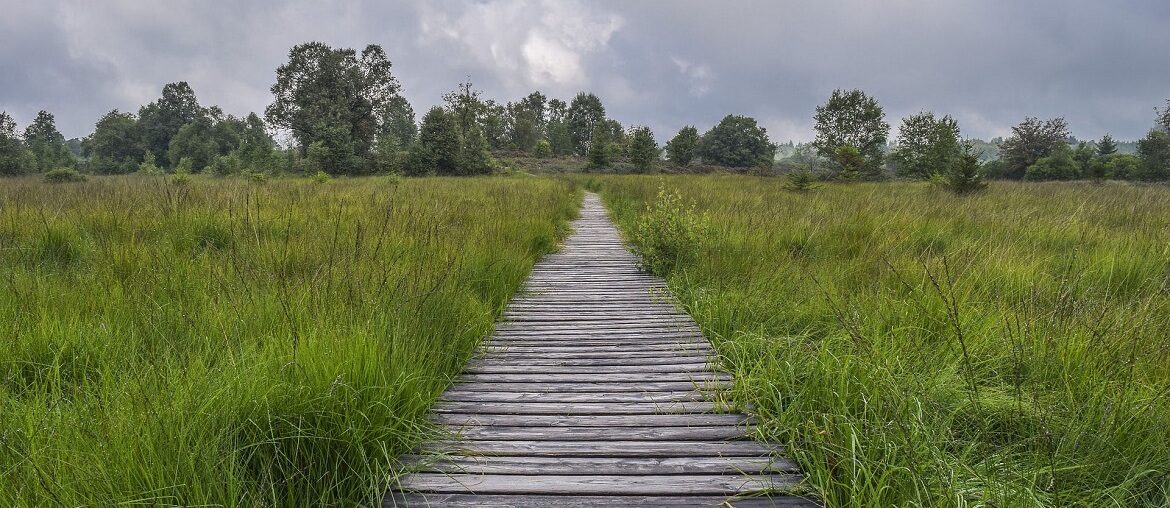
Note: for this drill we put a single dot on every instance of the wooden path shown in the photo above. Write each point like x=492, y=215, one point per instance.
x=594, y=391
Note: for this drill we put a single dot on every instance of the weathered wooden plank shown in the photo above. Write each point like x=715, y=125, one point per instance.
x=549, y=377
x=575, y=408
x=657, y=449
x=588, y=387
x=609, y=361
x=668, y=420
x=662, y=485
x=602, y=465
x=550, y=397
x=448, y=500
x=528, y=433
x=593, y=351
x=589, y=369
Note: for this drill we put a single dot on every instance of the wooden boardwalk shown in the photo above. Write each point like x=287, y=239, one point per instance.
x=594, y=391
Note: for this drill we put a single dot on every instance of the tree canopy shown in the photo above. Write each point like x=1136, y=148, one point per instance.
x=1031, y=141
x=926, y=146
x=46, y=143
x=737, y=141
x=584, y=113
x=850, y=117
x=336, y=96
x=683, y=147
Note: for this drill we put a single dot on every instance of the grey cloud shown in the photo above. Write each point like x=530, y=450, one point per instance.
x=662, y=63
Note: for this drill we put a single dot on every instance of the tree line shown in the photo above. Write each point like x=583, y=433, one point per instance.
x=345, y=115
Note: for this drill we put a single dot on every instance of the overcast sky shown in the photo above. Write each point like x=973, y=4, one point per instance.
x=1102, y=65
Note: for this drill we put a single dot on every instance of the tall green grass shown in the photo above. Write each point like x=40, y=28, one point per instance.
x=232, y=343
x=914, y=348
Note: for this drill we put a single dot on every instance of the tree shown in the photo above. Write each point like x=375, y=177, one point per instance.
x=926, y=146
x=850, y=162
x=149, y=165
x=398, y=121
x=599, y=150
x=855, y=119
x=46, y=143
x=465, y=107
x=1030, y=141
x=335, y=95
x=737, y=142
x=1057, y=165
x=557, y=126
x=15, y=158
x=115, y=145
x=1107, y=146
x=682, y=148
x=256, y=148
x=160, y=121
x=543, y=149
x=1083, y=155
x=493, y=125
x=584, y=113
x=526, y=121
x=1164, y=117
x=1154, y=152
x=643, y=148
x=196, y=142
x=438, y=146
x=474, y=157
x=963, y=175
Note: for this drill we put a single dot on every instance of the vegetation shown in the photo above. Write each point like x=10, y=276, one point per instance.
x=737, y=142
x=683, y=147
x=855, y=120
x=914, y=348
x=228, y=344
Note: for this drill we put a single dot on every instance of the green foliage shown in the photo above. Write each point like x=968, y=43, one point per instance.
x=543, y=149
x=851, y=164
x=643, y=149
x=321, y=177
x=738, y=142
x=160, y=121
x=15, y=159
x=1031, y=141
x=1107, y=146
x=599, y=148
x=196, y=142
x=683, y=147
x=585, y=113
x=1164, y=117
x=226, y=165
x=63, y=175
x=668, y=234
x=1123, y=166
x=46, y=143
x=850, y=117
x=438, y=146
x=844, y=317
x=474, y=158
x=149, y=165
x=963, y=175
x=341, y=99
x=800, y=180
x=386, y=157
x=1058, y=165
x=926, y=145
x=115, y=145
x=1154, y=152
x=236, y=345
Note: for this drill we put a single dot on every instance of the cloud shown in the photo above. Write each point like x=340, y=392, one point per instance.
x=526, y=44
x=657, y=62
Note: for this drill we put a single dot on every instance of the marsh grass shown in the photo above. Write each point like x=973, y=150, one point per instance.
x=222, y=343
x=916, y=348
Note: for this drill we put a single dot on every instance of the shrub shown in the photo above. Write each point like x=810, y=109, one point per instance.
x=800, y=180
x=543, y=149
x=669, y=233
x=149, y=166
x=64, y=175
x=963, y=177
x=1060, y=165
x=320, y=177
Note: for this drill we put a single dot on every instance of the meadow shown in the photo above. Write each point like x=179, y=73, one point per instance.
x=917, y=348
x=220, y=341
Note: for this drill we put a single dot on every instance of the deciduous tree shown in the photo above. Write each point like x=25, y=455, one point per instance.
x=159, y=122
x=115, y=145
x=46, y=143
x=852, y=118
x=683, y=147
x=738, y=142
x=438, y=145
x=643, y=148
x=15, y=158
x=1030, y=141
x=926, y=146
x=584, y=113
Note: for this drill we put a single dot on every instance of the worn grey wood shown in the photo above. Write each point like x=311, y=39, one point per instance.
x=596, y=389
x=410, y=500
